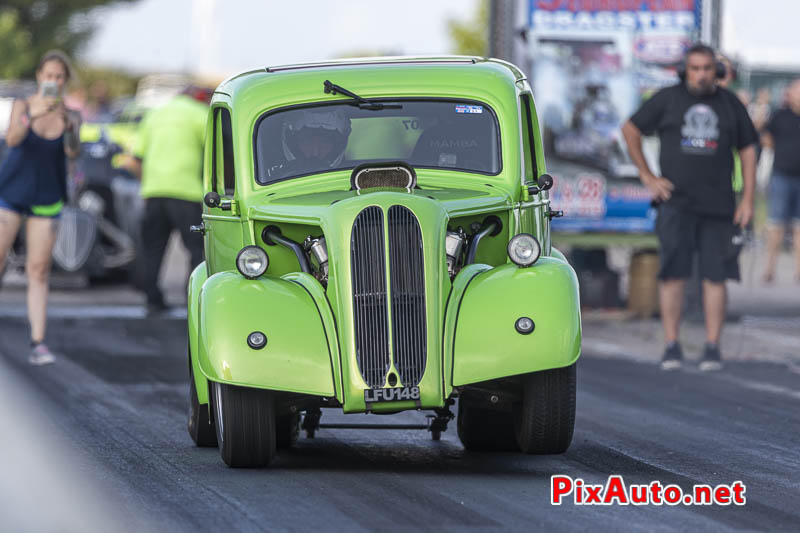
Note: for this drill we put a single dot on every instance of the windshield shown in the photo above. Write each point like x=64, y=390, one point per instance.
x=425, y=134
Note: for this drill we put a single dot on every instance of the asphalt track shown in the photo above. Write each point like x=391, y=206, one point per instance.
x=119, y=395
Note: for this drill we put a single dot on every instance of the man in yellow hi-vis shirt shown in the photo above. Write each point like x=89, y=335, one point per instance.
x=169, y=154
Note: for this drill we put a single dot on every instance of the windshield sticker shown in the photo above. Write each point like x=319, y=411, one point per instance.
x=470, y=109
x=447, y=160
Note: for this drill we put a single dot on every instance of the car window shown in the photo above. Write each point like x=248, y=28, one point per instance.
x=223, y=152
x=528, y=139
x=453, y=135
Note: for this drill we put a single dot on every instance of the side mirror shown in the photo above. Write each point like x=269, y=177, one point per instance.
x=212, y=199
x=545, y=182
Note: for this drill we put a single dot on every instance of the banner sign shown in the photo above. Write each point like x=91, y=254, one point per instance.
x=591, y=203
x=631, y=15
x=593, y=63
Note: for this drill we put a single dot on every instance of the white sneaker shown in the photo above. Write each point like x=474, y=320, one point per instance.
x=41, y=355
x=712, y=359
x=673, y=355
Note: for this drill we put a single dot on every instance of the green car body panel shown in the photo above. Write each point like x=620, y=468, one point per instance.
x=469, y=317
x=496, y=349
x=293, y=359
x=196, y=281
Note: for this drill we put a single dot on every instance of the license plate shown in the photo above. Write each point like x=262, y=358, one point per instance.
x=395, y=394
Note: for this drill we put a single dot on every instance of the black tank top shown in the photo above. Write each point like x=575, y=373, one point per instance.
x=34, y=172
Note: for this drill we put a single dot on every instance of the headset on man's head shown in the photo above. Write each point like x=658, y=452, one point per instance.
x=719, y=67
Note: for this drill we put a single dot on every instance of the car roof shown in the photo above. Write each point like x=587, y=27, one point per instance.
x=374, y=76
x=379, y=61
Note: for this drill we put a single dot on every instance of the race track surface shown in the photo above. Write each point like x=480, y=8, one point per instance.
x=119, y=397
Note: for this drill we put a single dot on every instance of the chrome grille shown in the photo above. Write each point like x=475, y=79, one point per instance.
x=407, y=274
x=370, y=314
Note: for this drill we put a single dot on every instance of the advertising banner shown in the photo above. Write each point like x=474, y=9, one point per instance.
x=593, y=63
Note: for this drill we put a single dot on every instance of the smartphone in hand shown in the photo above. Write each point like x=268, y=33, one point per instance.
x=49, y=89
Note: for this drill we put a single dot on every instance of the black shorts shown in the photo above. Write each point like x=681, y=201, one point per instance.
x=683, y=234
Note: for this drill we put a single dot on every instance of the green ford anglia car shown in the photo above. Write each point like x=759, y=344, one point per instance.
x=377, y=238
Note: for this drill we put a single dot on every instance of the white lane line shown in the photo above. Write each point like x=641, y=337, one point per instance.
x=772, y=321
x=610, y=349
x=785, y=341
x=129, y=312
x=750, y=384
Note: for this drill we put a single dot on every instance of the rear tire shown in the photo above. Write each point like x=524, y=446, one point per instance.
x=545, y=420
x=201, y=425
x=245, y=425
x=485, y=430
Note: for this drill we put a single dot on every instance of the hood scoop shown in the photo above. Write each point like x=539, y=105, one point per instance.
x=391, y=175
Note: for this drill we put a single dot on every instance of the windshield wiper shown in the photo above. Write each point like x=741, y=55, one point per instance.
x=363, y=103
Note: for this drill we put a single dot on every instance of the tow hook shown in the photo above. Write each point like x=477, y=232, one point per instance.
x=438, y=423
x=311, y=421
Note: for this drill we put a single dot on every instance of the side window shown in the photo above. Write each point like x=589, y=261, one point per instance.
x=209, y=156
x=225, y=181
x=528, y=138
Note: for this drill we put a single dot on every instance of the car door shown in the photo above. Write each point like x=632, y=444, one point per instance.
x=223, y=224
x=530, y=212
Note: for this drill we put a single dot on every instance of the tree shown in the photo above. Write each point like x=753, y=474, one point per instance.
x=471, y=37
x=29, y=28
x=15, y=42
x=118, y=82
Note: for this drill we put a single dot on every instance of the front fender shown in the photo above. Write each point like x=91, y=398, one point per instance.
x=487, y=345
x=196, y=281
x=296, y=357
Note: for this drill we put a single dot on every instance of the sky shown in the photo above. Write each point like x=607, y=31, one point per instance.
x=219, y=38
x=237, y=35
x=766, y=35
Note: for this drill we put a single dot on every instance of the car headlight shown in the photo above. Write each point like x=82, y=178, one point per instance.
x=524, y=250
x=252, y=261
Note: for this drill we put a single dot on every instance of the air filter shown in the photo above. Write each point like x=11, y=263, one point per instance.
x=392, y=175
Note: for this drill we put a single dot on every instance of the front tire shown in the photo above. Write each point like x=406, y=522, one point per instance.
x=545, y=420
x=201, y=426
x=245, y=425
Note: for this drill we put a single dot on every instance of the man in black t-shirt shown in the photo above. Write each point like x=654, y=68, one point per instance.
x=699, y=125
x=783, y=135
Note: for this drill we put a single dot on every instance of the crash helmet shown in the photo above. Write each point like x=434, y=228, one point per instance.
x=302, y=124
